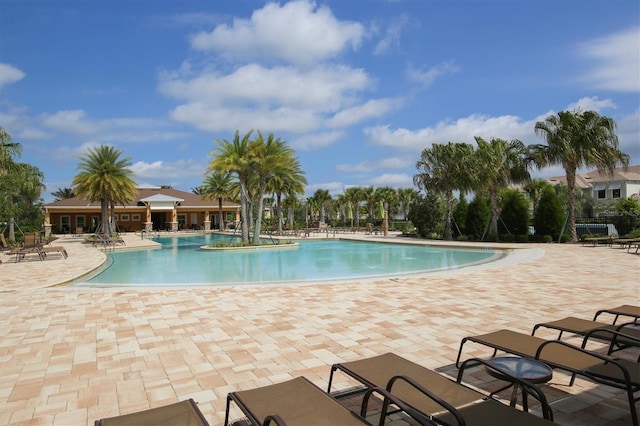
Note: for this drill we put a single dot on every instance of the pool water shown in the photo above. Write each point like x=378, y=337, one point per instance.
x=182, y=262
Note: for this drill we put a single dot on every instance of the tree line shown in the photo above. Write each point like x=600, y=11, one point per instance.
x=253, y=169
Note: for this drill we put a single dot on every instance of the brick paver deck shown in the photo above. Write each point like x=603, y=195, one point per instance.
x=71, y=355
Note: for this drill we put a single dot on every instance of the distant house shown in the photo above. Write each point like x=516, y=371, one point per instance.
x=151, y=209
x=605, y=187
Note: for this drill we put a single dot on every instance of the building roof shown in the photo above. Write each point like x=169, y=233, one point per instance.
x=186, y=200
x=590, y=179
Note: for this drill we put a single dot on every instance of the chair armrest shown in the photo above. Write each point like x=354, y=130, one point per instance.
x=389, y=398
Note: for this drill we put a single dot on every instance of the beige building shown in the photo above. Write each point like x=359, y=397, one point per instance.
x=624, y=183
x=152, y=209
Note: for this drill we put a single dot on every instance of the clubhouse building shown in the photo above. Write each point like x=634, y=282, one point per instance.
x=152, y=209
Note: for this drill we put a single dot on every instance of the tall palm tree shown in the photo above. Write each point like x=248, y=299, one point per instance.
x=445, y=168
x=269, y=157
x=8, y=150
x=63, y=194
x=219, y=186
x=104, y=176
x=406, y=196
x=351, y=197
x=534, y=189
x=368, y=197
x=499, y=164
x=233, y=157
x=322, y=198
x=575, y=140
x=288, y=179
x=387, y=196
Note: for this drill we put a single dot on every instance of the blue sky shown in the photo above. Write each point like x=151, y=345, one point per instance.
x=357, y=87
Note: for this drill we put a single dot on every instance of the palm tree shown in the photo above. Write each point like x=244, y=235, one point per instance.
x=219, y=186
x=576, y=140
x=63, y=194
x=269, y=157
x=499, y=164
x=351, y=197
x=445, y=168
x=8, y=150
x=321, y=198
x=406, y=196
x=233, y=157
x=387, y=196
x=367, y=197
x=104, y=176
x=288, y=179
x=534, y=189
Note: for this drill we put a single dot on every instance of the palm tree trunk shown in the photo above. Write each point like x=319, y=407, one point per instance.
x=495, y=212
x=279, y=213
x=447, y=223
x=243, y=211
x=571, y=184
x=220, y=215
x=258, y=224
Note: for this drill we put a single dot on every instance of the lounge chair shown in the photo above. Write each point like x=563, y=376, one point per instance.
x=582, y=327
x=54, y=249
x=434, y=394
x=299, y=402
x=620, y=311
x=5, y=245
x=184, y=413
x=600, y=368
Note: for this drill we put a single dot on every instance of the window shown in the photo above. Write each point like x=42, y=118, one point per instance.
x=600, y=190
x=79, y=221
x=615, y=193
x=135, y=218
x=116, y=217
x=124, y=218
x=182, y=219
x=65, y=224
x=602, y=194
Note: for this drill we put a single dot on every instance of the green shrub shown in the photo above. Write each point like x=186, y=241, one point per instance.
x=514, y=217
x=522, y=238
x=508, y=238
x=547, y=239
x=549, y=215
x=478, y=214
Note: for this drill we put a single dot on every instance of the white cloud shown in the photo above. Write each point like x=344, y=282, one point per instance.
x=370, y=166
x=316, y=140
x=72, y=121
x=426, y=77
x=358, y=113
x=159, y=170
x=616, y=61
x=461, y=130
x=298, y=32
x=323, y=88
x=392, y=36
x=394, y=180
x=591, y=104
x=9, y=75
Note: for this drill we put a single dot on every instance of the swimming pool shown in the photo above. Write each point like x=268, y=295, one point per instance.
x=181, y=262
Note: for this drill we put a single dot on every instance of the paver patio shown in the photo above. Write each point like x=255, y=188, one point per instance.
x=71, y=355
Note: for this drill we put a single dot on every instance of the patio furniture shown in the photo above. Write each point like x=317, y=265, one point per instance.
x=300, y=402
x=531, y=370
x=622, y=310
x=434, y=394
x=184, y=413
x=604, y=369
x=582, y=327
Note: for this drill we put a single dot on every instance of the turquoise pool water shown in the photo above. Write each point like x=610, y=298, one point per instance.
x=181, y=262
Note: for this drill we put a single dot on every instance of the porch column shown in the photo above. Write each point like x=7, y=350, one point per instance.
x=47, y=224
x=148, y=224
x=174, y=219
x=207, y=221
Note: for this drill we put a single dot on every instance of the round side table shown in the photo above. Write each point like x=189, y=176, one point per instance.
x=530, y=370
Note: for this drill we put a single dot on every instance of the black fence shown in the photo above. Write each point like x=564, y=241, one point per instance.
x=607, y=225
